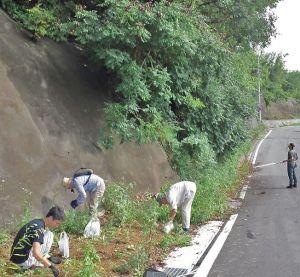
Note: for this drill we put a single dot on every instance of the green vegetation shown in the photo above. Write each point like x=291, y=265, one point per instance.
x=180, y=73
x=277, y=83
x=136, y=263
x=183, y=73
x=131, y=231
x=179, y=240
x=75, y=222
x=293, y=84
x=89, y=268
x=3, y=238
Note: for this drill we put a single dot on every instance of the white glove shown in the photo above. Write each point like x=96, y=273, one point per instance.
x=168, y=227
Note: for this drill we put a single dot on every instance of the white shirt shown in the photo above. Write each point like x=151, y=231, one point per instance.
x=179, y=192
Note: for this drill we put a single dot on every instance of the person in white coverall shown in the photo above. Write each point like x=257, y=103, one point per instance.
x=180, y=195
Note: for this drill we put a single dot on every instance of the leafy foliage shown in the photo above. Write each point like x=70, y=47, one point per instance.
x=75, y=222
x=184, y=73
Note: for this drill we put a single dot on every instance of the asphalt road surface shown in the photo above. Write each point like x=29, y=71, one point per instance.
x=265, y=240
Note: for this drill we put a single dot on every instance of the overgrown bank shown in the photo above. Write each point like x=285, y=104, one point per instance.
x=131, y=237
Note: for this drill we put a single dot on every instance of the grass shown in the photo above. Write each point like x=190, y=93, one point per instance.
x=4, y=236
x=179, y=240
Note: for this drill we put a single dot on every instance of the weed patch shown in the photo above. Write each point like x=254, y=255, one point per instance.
x=91, y=257
x=171, y=240
x=75, y=222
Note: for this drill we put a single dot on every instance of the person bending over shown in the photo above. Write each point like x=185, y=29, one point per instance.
x=179, y=195
x=86, y=184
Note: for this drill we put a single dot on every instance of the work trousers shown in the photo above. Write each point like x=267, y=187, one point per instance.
x=95, y=199
x=186, y=209
x=292, y=174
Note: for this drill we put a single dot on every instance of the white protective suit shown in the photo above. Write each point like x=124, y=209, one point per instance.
x=181, y=195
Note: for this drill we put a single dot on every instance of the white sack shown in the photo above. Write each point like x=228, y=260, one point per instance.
x=92, y=229
x=63, y=245
x=168, y=227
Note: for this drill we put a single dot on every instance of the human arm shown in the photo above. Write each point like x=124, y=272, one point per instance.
x=36, y=251
x=81, y=196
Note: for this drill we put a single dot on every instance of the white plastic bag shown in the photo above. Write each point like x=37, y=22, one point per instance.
x=92, y=229
x=63, y=245
x=168, y=227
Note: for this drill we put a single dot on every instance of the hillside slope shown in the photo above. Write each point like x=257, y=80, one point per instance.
x=50, y=117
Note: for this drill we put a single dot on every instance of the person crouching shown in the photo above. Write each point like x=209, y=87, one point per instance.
x=32, y=243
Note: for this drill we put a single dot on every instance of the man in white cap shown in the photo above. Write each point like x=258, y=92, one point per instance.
x=180, y=195
x=86, y=184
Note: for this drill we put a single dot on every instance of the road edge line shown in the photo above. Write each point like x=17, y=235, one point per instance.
x=213, y=253
x=258, y=146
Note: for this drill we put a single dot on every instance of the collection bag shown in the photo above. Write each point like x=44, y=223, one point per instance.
x=92, y=229
x=63, y=245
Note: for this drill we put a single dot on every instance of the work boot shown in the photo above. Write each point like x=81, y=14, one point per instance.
x=289, y=187
x=295, y=185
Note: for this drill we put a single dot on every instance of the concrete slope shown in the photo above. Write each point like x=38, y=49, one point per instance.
x=50, y=117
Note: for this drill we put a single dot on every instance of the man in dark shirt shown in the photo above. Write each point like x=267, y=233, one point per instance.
x=32, y=244
x=291, y=166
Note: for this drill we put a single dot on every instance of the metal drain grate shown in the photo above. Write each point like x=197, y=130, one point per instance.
x=173, y=272
x=150, y=273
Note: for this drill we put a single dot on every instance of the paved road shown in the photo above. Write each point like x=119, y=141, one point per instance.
x=265, y=240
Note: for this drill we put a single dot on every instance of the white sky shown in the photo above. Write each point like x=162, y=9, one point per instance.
x=288, y=29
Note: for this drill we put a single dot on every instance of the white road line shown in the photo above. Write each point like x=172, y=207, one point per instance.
x=187, y=257
x=213, y=253
x=258, y=146
x=243, y=192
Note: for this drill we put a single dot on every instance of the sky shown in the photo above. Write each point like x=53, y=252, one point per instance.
x=288, y=29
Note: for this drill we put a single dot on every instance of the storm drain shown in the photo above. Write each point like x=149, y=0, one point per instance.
x=154, y=274
x=173, y=272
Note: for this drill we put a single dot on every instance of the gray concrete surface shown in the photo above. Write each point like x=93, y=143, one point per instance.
x=281, y=123
x=50, y=118
x=265, y=240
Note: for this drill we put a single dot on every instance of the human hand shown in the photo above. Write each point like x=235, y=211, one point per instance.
x=168, y=227
x=54, y=270
x=74, y=204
